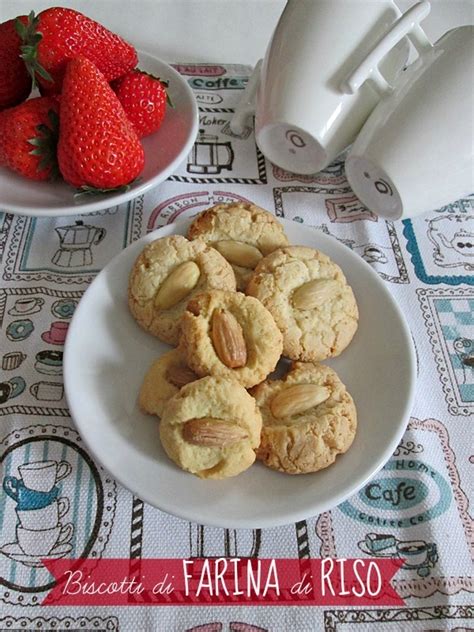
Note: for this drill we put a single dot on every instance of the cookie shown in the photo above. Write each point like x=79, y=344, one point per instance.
x=230, y=335
x=166, y=274
x=310, y=300
x=243, y=234
x=308, y=419
x=211, y=428
x=163, y=379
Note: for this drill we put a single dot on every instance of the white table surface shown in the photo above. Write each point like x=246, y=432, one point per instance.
x=226, y=31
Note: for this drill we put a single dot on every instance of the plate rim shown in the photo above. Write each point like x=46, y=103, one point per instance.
x=115, y=200
x=296, y=515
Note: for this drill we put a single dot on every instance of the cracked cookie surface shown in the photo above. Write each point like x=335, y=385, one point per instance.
x=211, y=428
x=231, y=335
x=166, y=274
x=164, y=379
x=310, y=300
x=254, y=232
x=308, y=419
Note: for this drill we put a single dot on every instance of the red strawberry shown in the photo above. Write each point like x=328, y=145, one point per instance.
x=28, y=137
x=67, y=34
x=143, y=98
x=15, y=82
x=98, y=146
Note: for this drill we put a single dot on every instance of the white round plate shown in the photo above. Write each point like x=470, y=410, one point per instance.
x=165, y=150
x=107, y=355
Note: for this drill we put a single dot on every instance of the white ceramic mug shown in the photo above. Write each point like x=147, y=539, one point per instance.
x=303, y=120
x=43, y=475
x=46, y=518
x=416, y=151
x=39, y=543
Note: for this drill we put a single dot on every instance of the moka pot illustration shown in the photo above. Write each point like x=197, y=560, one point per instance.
x=75, y=244
x=209, y=155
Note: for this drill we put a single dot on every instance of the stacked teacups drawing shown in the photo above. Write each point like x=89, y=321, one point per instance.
x=41, y=530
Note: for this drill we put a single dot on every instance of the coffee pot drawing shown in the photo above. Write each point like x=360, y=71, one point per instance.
x=75, y=244
x=209, y=155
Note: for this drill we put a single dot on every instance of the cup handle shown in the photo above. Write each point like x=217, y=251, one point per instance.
x=66, y=533
x=10, y=485
x=246, y=105
x=63, y=506
x=40, y=301
x=407, y=25
x=64, y=469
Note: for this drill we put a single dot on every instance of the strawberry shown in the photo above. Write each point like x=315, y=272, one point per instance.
x=28, y=138
x=98, y=146
x=144, y=98
x=15, y=82
x=67, y=34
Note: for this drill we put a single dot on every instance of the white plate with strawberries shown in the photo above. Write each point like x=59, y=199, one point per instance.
x=107, y=355
x=107, y=152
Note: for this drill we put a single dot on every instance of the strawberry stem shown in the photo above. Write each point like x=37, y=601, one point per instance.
x=86, y=191
x=30, y=38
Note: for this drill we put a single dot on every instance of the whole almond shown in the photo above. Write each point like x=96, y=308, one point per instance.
x=177, y=285
x=228, y=339
x=180, y=375
x=297, y=399
x=314, y=293
x=239, y=253
x=211, y=432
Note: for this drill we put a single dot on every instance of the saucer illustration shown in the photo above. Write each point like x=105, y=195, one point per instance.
x=56, y=335
x=64, y=308
x=49, y=362
x=26, y=306
x=19, y=329
x=14, y=552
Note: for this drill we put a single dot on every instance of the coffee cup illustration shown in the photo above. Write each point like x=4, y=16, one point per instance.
x=41, y=543
x=46, y=518
x=56, y=335
x=13, y=360
x=11, y=389
x=41, y=476
x=27, y=498
x=47, y=391
x=415, y=553
x=26, y=305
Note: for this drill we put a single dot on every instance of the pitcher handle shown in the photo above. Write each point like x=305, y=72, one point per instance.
x=407, y=25
x=101, y=232
x=246, y=106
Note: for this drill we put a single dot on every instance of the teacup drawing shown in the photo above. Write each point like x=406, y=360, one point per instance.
x=46, y=518
x=415, y=553
x=41, y=543
x=29, y=305
x=43, y=475
x=27, y=498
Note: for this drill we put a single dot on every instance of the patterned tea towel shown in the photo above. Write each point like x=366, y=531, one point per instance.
x=58, y=502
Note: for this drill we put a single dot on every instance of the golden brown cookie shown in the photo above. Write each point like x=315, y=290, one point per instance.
x=163, y=379
x=211, y=428
x=243, y=233
x=310, y=300
x=308, y=419
x=166, y=274
x=231, y=335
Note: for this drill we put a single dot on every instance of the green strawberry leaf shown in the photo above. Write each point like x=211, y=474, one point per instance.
x=30, y=38
x=86, y=191
x=45, y=145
